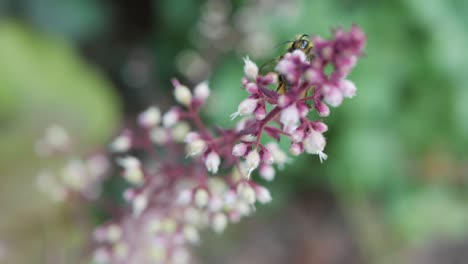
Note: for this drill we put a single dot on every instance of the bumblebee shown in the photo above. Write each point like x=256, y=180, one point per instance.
x=301, y=42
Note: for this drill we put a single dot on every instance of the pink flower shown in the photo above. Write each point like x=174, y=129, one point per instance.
x=246, y=107
x=174, y=195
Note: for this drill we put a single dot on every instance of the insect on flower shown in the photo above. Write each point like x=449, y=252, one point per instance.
x=302, y=43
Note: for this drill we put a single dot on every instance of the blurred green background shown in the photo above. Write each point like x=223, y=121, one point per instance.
x=394, y=188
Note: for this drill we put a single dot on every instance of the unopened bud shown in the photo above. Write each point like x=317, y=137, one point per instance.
x=201, y=198
x=170, y=118
x=260, y=112
x=267, y=157
x=196, y=147
x=149, y=118
x=113, y=233
x=246, y=107
x=267, y=172
x=320, y=127
x=179, y=131
x=252, y=160
x=315, y=144
x=322, y=109
x=219, y=222
x=121, y=144
x=246, y=192
x=183, y=95
x=348, y=88
x=201, y=91
x=251, y=88
x=250, y=69
x=333, y=97
x=262, y=194
x=239, y=149
x=191, y=234
x=290, y=116
x=132, y=170
x=296, y=149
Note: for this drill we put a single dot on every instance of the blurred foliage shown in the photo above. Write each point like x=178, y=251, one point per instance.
x=42, y=82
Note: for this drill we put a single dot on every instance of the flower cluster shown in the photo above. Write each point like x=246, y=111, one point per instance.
x=78, y=177
x=184, y=176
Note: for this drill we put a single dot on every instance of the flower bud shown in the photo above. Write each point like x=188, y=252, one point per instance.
x=180, y=256
x=299, y=55
x=101, y=256
x=212, y=162
x=230, y=197
x=267, y=172
x=296, y=149
x=283, y=100
x=250, y=69
x=252, y=160
x=327, y=53
x=251, y=88
x=246, y=192
x=348, y=88
x=297, y=135
x=215, y=204
x=201, y=91
x=313, y=76
x=149, y=118
x=285, y=66
x=191, y=136
x=303, y=109
x=170, y=118
x=121, y=144
x=179, y=131
x=201, y=198
x=183, y=95
x=290, y=116
x=333, y=97
x=191, y=234
x=271, y=78
x=196, y=147
x=267, y=157
x=132, y=170
x=260, y=112
x=192, y=215
x=169, y=225
x=315, y=144
x=159, y=135
x=243, y=208
x=246, y=107
x=322, y=109
x=74, y=175
x=262, y=194
x=120, y=250
x=129, y=194
x=239, y=149
x=319, y=127
x=219, y=222
x=113, y=233
x=280, y=157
